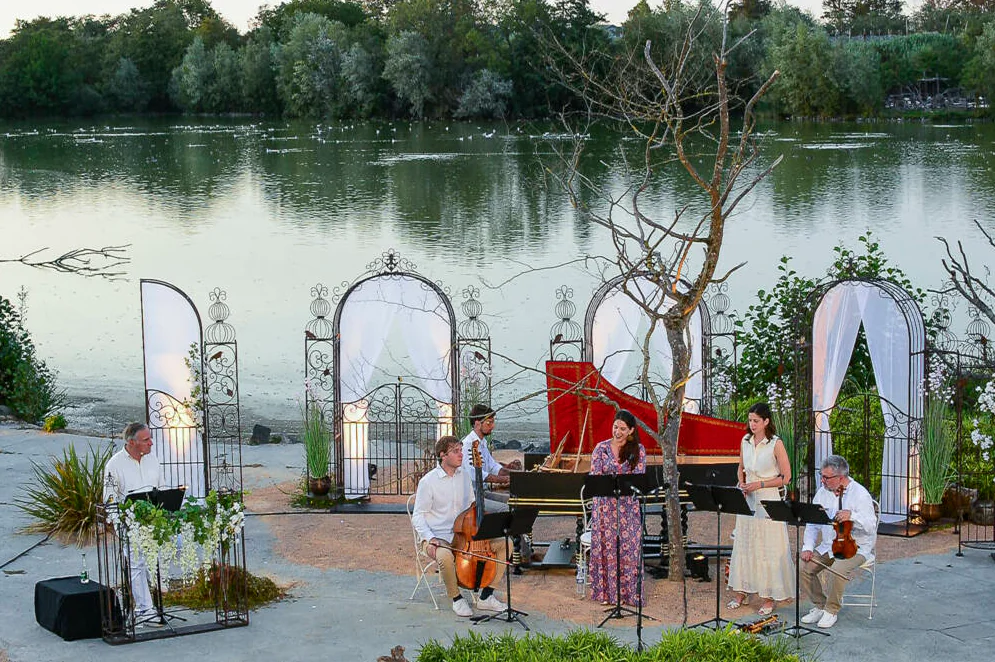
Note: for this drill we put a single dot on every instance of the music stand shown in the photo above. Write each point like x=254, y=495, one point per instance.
x=718, y=499
x=653, y=483
x=617, y=486
x=506, y=524
x=170, y=499
x=796, y=513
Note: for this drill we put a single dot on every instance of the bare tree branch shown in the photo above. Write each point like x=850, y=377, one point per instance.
x=88, y=262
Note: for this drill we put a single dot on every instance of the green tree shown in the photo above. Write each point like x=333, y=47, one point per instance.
x=258, y=74
x=361, y=75
x=27, y=385
x=280, y=19
x=126, y=88
x=979, y=72
x=39, y=73
x=485, y=96
x=309, y=66
x=190, y=79
x=857, y=66
x=224, y=85
x=409, y=69
x=806, y=86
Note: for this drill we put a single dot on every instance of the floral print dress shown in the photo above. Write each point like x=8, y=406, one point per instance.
x=603, y=526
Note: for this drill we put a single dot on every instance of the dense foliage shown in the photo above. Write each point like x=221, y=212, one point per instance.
x=767, y=330
x=27, y=385
x=474, y=58
x=586, y=646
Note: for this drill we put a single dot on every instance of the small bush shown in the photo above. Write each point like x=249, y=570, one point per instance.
x=53, y=423
x=64, y=494
x=202, y=593
x=27, y=385
x=587, y=646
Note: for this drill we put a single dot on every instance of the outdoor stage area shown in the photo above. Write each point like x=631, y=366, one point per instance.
x=349, y=577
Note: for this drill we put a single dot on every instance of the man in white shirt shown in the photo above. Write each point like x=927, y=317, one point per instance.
x=482, y=419
x=134, y=469
x=443, y=493
x=845, y=500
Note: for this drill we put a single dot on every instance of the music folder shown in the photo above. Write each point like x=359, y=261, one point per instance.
x=168, y=499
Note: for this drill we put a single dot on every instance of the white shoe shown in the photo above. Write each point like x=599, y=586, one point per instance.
x=462, y=608
x=813, y=616
x=828, y=620
x=491, y=604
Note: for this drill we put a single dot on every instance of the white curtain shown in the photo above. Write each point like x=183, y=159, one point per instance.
x=170, y=327
x=837, y=320
x=888, y=340
x=355, y=445
x=618, y=332
x=381, y=309
x=834, y=333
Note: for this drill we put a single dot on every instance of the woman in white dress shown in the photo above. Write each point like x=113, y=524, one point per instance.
x=761, y=554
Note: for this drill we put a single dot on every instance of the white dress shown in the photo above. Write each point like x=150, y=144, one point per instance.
x=761, y=554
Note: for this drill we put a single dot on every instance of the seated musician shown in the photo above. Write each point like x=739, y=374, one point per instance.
x=482, y=419
x=442, y=495
x=844, y=499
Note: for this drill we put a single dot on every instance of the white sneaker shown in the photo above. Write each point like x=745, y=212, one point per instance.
x=491, y=604
x=828, y=620
x=462, y=608
x=813, y=615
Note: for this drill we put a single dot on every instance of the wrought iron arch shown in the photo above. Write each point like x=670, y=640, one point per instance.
x=408, y=420
x=473, y=354
x=701, y=345
x=899, y=472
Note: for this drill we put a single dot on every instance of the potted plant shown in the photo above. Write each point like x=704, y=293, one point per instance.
x=936, y=444
x=317, y=449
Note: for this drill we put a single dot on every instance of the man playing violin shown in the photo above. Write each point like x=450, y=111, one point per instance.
x=443, y=493
x=844, y=500
x=483, y=420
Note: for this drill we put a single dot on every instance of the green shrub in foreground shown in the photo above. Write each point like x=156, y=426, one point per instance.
x=27, y=385
x=587, y=646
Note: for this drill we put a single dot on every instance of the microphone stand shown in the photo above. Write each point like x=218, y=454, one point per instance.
x=641, y=500
x=618, y=611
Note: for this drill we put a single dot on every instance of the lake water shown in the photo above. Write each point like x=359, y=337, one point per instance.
x=267, y=210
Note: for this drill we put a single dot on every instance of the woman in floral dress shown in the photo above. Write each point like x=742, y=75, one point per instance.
x=622, y=454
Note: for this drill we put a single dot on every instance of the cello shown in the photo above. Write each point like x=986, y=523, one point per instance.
x=844, y=546
x=476, y=563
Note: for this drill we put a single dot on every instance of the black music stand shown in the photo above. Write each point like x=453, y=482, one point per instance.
x=170, y=499
x=616, y=486
x=506, y=524
x=653, y=483
x=718, y=499
x=796, y=514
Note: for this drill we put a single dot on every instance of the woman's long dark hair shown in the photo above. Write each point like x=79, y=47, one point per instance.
x=630, y=449
x=762, y=409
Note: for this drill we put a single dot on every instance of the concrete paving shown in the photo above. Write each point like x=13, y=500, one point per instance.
x=939, y=607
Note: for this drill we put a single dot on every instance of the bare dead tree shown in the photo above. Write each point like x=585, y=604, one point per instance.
x=976, y=289
x=680, y=108
x=103, y=262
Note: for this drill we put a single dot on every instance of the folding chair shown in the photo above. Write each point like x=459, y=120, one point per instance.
x=870, y=567
x=424, y=564
x=584, y=553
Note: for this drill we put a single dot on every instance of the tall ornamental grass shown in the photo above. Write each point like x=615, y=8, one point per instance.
x=64, y=494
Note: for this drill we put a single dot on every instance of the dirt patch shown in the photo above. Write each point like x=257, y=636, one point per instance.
x=384, y=543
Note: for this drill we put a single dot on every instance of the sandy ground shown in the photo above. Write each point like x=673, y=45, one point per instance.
x=324, y=541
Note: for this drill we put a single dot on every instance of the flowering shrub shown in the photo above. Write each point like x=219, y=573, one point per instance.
x=936, y=444
x=201, y=526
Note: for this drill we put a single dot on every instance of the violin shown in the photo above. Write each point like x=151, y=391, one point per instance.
x=476, y=563
x=844, y=546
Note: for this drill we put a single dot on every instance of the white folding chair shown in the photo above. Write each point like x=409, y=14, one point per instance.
x=425, y=565
x=870, y=568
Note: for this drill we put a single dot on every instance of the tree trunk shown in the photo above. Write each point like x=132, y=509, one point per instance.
x=676, y=326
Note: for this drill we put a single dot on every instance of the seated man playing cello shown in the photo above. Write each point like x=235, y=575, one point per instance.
x=443, y=494
x=844, y=500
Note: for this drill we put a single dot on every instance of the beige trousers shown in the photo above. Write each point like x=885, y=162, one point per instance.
x=812, y=581
x=447, y=565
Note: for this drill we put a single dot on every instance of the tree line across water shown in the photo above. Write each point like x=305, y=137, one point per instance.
x=331, y=59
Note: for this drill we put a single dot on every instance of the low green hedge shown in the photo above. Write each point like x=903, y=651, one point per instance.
x=587, y=646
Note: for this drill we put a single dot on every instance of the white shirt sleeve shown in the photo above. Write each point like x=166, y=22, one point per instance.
x=489, y=466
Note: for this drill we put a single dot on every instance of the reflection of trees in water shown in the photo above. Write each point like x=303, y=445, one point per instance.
x=156, y=157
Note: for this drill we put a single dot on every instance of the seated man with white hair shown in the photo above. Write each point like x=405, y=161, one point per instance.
x=132, y=470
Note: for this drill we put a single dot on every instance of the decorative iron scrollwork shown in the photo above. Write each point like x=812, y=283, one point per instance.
x=565, y=331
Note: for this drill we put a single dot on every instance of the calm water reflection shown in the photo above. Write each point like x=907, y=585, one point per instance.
x=266, y=210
